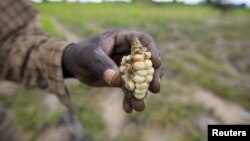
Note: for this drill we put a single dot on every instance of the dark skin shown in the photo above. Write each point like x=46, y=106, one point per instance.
x=95, y=62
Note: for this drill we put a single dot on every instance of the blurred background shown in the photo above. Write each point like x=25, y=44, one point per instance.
x=205, y=51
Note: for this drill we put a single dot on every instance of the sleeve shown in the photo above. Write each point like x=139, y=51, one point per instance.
x=34, y=59
x=28, y=56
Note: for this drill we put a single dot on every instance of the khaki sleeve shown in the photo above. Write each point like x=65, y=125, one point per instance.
x=34, y=59
x=28, y=56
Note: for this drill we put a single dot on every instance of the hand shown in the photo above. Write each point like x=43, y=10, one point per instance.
x=95, y=62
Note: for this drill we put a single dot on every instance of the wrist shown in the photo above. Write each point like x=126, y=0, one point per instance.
x=66, y=62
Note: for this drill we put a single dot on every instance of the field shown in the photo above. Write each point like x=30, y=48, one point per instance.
x=205, y=53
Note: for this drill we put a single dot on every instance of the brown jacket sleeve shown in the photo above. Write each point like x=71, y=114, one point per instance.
x=28, y=56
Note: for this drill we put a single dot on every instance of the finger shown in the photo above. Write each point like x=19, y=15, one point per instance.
x=130, y=102
x=148, y=42
x=154, y=86
x=138, y=104
x=127, y=101
x=127, y=107
x=112, y=77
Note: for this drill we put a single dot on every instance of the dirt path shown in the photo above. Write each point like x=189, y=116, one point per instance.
x=113, y=114
x=7, y=88
x=227, y=112
x=55, y=133
x=155, y=134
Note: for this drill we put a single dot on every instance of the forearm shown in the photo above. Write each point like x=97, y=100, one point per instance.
x=27, y=56
x=34, y=60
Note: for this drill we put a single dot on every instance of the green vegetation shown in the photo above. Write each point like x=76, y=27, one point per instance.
x=163, y=111
x=29, y=111
x=198, y=46
x=162, y=116
x=209, y=75
x=89, y=112
x=49, y=25
x=86, y=19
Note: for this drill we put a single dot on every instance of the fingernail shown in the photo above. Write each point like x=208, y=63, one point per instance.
x=138, y=105
x=111, y=77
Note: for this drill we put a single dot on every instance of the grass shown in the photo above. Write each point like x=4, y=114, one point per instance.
x=171, y=114
x=29, y=112
x=200, y=36
x=197, y=46
x=162, y=116
x=89, y=17
x=89, y=112
x=49, y=26
x=208, y=75
x=31, y=117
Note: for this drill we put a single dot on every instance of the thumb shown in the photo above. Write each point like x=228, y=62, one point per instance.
x=112, y=77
